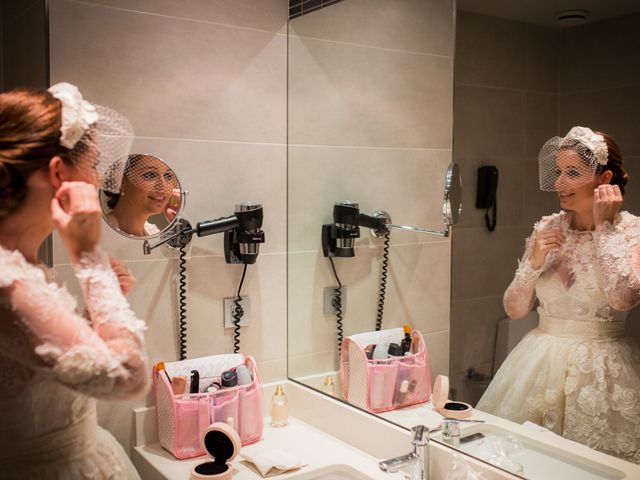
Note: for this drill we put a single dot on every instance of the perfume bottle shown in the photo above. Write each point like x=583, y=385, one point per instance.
x=279, y=408
x=328, y=386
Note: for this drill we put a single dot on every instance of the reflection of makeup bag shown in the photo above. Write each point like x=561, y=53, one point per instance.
x=382, y=385
x=183, y=418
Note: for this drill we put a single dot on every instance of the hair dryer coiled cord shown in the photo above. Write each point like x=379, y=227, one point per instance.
x=383, y=280
x=182, y=300
x=237, y=314
x=338, y=306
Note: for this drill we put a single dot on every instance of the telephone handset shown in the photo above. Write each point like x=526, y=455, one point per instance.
x=487, y=193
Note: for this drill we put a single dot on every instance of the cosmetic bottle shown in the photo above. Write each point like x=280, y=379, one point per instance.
x=395, y=350
x=381, y=352
x=406, y=341
x=228, y=379
x=243, y=374
x=279, y=408
x=328, y=386
x=179, y=384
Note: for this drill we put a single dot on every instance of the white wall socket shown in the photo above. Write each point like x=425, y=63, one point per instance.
x=229, y=304
x=330, y=298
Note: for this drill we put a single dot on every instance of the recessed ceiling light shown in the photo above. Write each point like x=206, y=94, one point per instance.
x=572, y=18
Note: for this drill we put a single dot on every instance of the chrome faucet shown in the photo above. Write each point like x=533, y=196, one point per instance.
x=417, y=459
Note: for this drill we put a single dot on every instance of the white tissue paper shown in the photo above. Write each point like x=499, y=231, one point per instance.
x=277, y=460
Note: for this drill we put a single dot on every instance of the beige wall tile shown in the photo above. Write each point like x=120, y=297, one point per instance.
x=270, y=15
x=536, y=202
x=408, y=184
x=424, y=26
x=438, y=349
x=542, y=59
x=24, y=46
x=417, y=293
x=541, y=122
x=489, y=51
x=611, y=110
x=509, y=194
x=313, y=364
x=493, y=122
x=173, y=78
x=613, y=42
x=351, y=95
x=485, y=261
x=473, y=331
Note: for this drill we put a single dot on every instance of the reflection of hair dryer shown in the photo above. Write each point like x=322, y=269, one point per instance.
x=338, y=237
x=242, y=232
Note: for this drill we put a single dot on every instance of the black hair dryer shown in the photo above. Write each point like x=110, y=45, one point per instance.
x=242, y=232
x=339, y=237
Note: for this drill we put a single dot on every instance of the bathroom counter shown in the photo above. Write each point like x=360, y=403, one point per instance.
x=314, y=447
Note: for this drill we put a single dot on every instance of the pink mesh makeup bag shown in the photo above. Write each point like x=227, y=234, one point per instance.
x=182, y=419
x=383, y=385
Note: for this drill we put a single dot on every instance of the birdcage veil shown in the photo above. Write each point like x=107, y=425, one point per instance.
x=571, y=161
x=96, y=136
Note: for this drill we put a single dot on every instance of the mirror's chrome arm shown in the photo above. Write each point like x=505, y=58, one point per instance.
x=443, y=233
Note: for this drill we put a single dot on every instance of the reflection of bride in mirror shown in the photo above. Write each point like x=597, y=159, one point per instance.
x=577, y=374
x=149, y=187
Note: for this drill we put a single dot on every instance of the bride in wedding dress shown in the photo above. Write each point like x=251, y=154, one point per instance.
x=54, y=363
x=577, y=374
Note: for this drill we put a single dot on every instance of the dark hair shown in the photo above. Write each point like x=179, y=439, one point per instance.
x=614, y=163
x=30, y=122
x=112, y=197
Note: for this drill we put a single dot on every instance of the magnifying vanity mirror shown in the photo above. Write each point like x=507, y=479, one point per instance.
x=372, y=118
x=141, y=196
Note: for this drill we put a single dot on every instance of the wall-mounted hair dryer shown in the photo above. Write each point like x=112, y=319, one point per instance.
x=242, y=233
x=338, y=237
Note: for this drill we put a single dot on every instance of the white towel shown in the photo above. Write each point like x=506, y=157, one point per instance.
x=278, y=460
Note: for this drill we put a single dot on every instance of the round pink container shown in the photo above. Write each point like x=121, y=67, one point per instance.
x=223, y=444
x=444, y=406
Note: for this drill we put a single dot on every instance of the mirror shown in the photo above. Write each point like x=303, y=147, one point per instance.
x=141, y=196
x=370, y=120
x=364, y=85
x=452, y=206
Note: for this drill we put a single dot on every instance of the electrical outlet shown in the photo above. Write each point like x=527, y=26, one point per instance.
x=331, y=299
x=229, y=304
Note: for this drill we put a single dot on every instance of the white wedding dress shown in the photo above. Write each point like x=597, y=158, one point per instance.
x=576, y=373
x=54, y=364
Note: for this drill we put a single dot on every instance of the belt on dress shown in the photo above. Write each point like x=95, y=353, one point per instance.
x=592, y=329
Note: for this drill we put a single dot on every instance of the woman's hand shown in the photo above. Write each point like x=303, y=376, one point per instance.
x=76, y=214
x=546, y=241
x=607, y=200
x=173, y=205
x=125, y=277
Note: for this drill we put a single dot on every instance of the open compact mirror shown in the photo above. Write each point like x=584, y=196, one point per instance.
x=141, y=196
x=452, y=206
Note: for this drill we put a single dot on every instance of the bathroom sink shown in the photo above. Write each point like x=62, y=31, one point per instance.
x=540, y=461
x=333, y=472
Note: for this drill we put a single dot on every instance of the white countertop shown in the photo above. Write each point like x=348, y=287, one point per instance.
x=313, y=446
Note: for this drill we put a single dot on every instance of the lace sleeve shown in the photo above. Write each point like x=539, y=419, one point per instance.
x=617, y=247
x=520, y=296
x=104, y=359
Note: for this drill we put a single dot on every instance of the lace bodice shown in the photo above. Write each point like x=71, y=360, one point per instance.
x=53, y=361
x=589, y=279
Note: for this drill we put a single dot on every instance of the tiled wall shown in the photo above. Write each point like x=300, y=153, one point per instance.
x=370, y=120
x=204, y=84
x=516, y=86
x=605, y=95
x=505, y=107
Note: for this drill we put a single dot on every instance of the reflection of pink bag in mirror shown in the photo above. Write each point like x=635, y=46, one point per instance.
x=182, y=419
x=382, y=385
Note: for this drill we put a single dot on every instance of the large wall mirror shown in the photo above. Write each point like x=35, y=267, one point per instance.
x=371, y=91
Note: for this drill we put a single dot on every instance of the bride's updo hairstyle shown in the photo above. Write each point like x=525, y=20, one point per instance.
x=30, y=122
x=614, y=163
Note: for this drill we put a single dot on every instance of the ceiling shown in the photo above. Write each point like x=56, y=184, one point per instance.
x=543, y=12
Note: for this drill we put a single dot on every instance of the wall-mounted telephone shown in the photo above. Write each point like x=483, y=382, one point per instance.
x=486, y=197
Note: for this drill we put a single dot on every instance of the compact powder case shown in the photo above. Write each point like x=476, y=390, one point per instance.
x=223, y=444
x=444, y=406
